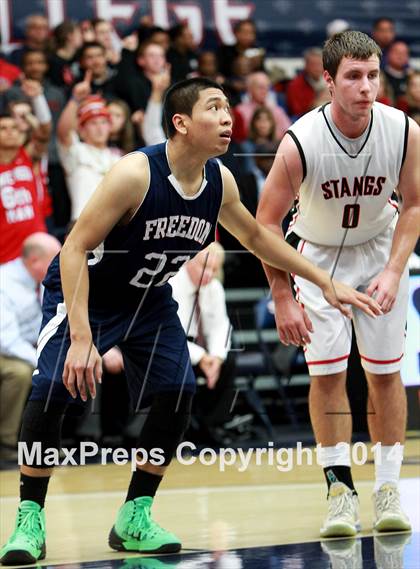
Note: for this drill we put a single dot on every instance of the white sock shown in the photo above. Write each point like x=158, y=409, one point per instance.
x=338, y=455
x=388, y=461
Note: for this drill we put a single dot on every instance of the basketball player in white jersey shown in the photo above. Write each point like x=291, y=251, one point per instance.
x=343, y=161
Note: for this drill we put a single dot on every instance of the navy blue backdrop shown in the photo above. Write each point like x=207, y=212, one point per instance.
x=285, y=27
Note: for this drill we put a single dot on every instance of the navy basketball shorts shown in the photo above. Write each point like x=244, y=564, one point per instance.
x=152, y=342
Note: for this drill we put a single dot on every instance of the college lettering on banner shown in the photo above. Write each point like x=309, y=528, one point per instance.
x=285, y=28
x=217, y=15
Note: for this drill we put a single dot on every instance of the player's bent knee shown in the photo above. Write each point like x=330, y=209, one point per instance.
x=41, y=429
x=165, y=426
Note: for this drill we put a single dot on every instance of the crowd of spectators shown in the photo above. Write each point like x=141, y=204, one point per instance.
x=104, y=95
x=76, y=98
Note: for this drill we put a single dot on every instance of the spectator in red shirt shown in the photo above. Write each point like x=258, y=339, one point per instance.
x=21, y=210
x=22, y=112
x=303, y=90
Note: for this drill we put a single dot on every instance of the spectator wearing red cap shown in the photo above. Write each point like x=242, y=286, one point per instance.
x=83, y=133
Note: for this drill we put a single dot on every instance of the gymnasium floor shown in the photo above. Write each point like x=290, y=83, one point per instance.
x=259, y=518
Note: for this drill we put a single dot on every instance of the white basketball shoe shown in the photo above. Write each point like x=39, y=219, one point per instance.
x=343, y=512
x=388, y=512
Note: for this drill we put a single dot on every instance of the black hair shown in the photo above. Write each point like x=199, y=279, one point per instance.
x=62, y=32
x=97, y=21
x=88, y=45
x=239, y=24
x=30, y=51
x=382, y=19
x=176, y=31
x=181, y=98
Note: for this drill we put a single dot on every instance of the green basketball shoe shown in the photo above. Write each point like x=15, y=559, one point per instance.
x=135, y=530
x=27, y=543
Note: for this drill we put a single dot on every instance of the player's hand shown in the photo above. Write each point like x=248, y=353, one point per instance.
x=339, y=294
x=83, y=366
x=384, y=288
x=293, y=324
x=82, y=89
x=113, y=361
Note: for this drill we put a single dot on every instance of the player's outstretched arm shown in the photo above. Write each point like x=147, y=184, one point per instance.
x=385, y=285
x=273, y=250
x=115, y=200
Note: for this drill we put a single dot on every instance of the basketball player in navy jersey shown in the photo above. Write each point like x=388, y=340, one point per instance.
x=153, y=211
x=344, y=161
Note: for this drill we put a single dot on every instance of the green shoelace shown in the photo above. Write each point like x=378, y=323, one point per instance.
x=28, y=524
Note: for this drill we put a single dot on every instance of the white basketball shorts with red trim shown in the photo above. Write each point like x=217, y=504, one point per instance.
x=380, y=340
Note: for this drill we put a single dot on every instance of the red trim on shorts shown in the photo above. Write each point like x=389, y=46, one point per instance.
x=319, y=362
x=391, y=202
x=303, y=245
x=384, y=362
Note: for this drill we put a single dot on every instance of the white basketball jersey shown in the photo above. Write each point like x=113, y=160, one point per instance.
x=348, y=183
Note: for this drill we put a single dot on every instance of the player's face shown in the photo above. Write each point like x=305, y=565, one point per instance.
x=10, y=137
x=96, y=131
x=210, y=126
x=355, y=86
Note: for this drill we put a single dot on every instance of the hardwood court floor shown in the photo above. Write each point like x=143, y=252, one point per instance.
x=208, y=509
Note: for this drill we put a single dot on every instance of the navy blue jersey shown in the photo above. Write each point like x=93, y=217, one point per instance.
x=166, y=231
